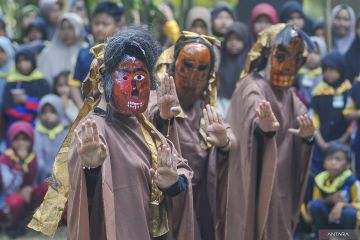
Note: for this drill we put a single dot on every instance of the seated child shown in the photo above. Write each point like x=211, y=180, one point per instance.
x=18, y=168
x=50, y=133
x=62, y=89
x=335, y=202
x=23, y=90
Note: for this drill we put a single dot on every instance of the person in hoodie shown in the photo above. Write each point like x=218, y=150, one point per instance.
x=24, y=87
x=62, y=52
x=329, y=99
x=343, y=27
x=36, y=31
x=352, y=55
x=234, y=50
x=222, y=16
x=292, y=12
x=198, y=20
x=263, y=15
x=19, y=196
x=7, y=55
x=50, y=132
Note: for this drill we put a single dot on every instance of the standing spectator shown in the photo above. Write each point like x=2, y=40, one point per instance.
x=18, y=168
x=50, y=133
x=352, y=55
x=310, y=75
x=106, y=22
x=328, y=102
x=292, y=12
x=198, y=21
x=27, y=14
x=352, y=113
x=36, y=30
x=62, y=89
x=343, y=27
x=222, y=16
x=318, y=29
x=234, y=50
x=23, y=90
x=64, y=47
x=263, y=15
x=50, y=10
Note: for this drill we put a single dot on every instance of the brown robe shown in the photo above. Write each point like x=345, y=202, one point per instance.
x=269, y=178
x=121, y=205
x=210, y=166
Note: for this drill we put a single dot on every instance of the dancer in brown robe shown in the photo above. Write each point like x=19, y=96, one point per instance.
x=275, y=137
x=126, y=180
x=185, y=113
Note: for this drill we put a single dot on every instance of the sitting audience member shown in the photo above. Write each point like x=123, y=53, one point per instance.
x=335, y=202
x=23, y=90
x=50, y=133
x=62, y=89
x=18, y=169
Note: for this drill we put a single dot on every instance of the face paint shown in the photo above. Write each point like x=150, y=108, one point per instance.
x=191, y=72
x=131, y=87
x=285, y=63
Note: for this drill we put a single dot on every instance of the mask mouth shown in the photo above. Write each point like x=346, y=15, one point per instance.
x=135, y=104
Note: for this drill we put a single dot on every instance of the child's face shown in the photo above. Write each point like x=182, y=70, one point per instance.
x=49, y=117
x=336, y=163
x=21, y=145
x=222, y=22
x=342, y=23
x=313, y=60
x=331, y=75
x=62, y=87
x=3, y=57
x=35, y=34
x=67, y=33
x=261, y=23
x=234, y=45
x=199, y=27
x=104, y=26
x=24, y=65
x=320, y=32
x=297, y=20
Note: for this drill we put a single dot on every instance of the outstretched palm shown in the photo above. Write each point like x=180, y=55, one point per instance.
x=166, y=174
x=215, y=128
x=267, y=119
x=168, y=101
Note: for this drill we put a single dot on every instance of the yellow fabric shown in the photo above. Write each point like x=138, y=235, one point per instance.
x=322, y=181
x=316, y=193
x=162, y=67
x=18, y=77
x=24, y=164
x=264, y=40
x=325, y=89
x=316, y=120
x=52, y=133
x=305, y=214
x=74, y=82
x=172, y=30
x=48, y=215
x=350, y=108
x=312, y=73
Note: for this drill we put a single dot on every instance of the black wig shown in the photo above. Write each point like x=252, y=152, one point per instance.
x=136, y=42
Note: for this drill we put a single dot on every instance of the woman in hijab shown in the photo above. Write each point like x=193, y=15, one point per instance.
x=343, y=27
x=64, y=47
x=7, y=54
x=222, y=16
x=292, y=12
x=234, y=50
x=198, y=21
x=263, y=15
x=50, y=10
x=352, y=55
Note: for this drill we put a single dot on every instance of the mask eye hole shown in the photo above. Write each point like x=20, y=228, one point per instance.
x=202, y=68
x=139, y=77
x=187, y=64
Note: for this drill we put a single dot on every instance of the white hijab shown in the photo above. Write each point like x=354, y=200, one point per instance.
x=58, y=57
x=342, y=44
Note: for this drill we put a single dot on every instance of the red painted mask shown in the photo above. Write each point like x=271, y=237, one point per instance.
x=191, y=72
x=131, y=87
x=285, y=63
